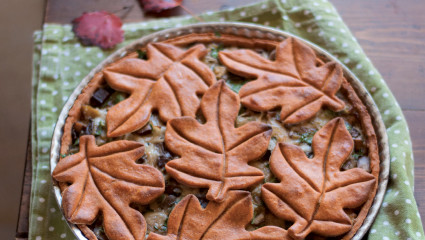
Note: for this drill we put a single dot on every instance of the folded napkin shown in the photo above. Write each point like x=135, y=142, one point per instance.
x=60, y=62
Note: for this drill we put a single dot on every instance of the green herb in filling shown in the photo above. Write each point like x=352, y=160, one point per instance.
x=357, y=154
x=165, y=226
x=302, y=135
x=307, y=137
x=118, y=98
x=141, y=54
x=214, y=51
x=253, y=217
x=273, y=179
x=235, y=82
x=99, y=128
x=236, y=85
x=115, y=98
x=348, y=126
x=77, y=142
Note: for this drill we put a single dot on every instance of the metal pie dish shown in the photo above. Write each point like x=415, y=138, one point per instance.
x=248, y=31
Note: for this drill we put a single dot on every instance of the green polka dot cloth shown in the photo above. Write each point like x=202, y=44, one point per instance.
x=60, y=63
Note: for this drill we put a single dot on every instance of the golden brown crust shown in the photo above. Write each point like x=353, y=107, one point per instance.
x=225, y=39
x=74, y=113
x=313, y=193
x=372, y=144
x=292, y=82
x=87, y=232
x=225, y=220
x=216, y=154
x=170, y=81
x=228, y=40
x=107, y=179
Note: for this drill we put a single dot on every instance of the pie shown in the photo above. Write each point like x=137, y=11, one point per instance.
x=215, y=136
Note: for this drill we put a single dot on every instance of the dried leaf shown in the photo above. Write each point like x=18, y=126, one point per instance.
x=313, y=193
x=157, y=6
x=292, y=82
x=106, y=180
x=215, y=155
x=225, y=220
x=102, y=29
x=170, y=81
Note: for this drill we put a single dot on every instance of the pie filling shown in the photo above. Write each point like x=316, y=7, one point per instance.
x=157, y=155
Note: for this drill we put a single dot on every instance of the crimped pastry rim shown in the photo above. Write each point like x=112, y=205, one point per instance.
x=241, y=30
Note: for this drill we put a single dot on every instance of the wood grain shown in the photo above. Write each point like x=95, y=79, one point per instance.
x=23, y=223
x=60, y=11
x=391, y=32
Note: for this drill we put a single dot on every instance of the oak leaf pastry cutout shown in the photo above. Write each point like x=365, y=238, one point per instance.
x=215, y=155
x=292, y=82
x=313, y=193
x=170, y=82
x=105, y=180
x=225, y=221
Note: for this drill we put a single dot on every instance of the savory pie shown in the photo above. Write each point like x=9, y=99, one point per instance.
x=214, y=136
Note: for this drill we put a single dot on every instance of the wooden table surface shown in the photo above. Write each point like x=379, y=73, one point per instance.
x=392, y=32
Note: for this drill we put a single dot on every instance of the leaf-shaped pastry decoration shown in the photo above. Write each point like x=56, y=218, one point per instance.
x=106, y=180
x=225, y=221
x=292, y=82
x=215, y=155
x=313, y=193
x=170, y=81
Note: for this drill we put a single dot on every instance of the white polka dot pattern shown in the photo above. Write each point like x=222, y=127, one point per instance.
x=63, y=65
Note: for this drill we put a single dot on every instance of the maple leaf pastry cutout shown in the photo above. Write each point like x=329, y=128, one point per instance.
x=215, y=155
x=171, y=81
x=313, y=193
x=225, y=221
x=292, y=82
x=106, y=180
